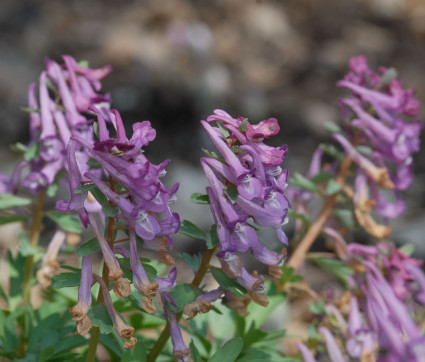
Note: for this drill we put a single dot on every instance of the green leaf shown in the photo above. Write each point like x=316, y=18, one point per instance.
x=190, y=229
x=108, y=210
x=212, y=155
x=100, y=318
x=65, y=280
x=83, y=63
x=304, y=183
x=16, y=276
x=136, y=354
x=52, y=190
x=24, y=246
x=92, y=163
x=18, y=147
x=332, y=151
x=182, y=294
x=151, y=272
x=65, y=221
x=332, y=127
x=333, y=187
x=224, y=131
x=46, y=353
x=194, y=261
x=32, y=151
x=321, y=177
x=88, y=248
x=212, y=238
x=227, y=283
x=389, y=75
x=229, y=352
x=254, y=356
x=335, y=266
x=318, y=307
x=231, y=193
x=198, y=198
x=303, y=217
x=346, y=217
x=243, y=127
x=194, y=352
x=6, y=219
x=84, y=188
x=253, y=336
x=7, y=201
x=71, y=268
x=30, y=110
x=407, y=249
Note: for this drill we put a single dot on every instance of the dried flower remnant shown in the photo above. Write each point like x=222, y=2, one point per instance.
x=80, y=310
x=202, y=304
x=49, y=265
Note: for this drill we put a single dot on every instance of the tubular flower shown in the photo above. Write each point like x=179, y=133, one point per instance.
x=180, y=351
x=121, y=285
x=123, y=330
x=49, y=264
x=140, y=278
x=80, y=310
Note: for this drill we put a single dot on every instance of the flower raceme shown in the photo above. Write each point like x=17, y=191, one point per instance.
x=60, y=110
x=381, y=136
x=246, y=183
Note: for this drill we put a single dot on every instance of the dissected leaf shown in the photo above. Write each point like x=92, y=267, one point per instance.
x=88, y=248
x=227, y=283
x=198, y=198
x=100, y=318
x=190, y=229
x=65, y=221
x=212, y=238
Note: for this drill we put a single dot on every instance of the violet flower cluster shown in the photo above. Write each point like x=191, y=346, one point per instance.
x=381, y=134
x=246, y=190
x=57, y=111
x=142, y=200
x=379, y=318
x=59, y=107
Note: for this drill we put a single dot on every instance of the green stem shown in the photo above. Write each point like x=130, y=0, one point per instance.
x=196, y=282
x=305, y=244
x=94, y=338
x=34, y=235
x=33, y=239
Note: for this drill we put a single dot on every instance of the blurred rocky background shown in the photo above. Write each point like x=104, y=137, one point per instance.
x=175, y=61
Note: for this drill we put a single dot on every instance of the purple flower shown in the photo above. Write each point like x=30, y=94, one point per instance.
x=180, y=351
x=307, y=356
x=121, y=286
x=334, y=352
x=140, y=278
